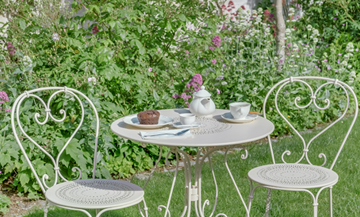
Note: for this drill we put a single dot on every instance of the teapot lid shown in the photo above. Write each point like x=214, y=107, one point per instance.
x=202, y=93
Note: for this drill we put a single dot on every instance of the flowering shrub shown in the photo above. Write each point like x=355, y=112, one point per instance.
x=150, y=55
x=119, y=60
x=241, y=64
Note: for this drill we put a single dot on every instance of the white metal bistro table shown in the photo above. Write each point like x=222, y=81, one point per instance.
x=214, y=132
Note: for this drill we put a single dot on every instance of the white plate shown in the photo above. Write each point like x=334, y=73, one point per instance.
x=133, y=121
x=192, y=126
x=228, y=116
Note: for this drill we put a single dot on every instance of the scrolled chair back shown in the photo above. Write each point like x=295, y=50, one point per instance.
x=16, y=123
x=339, y=85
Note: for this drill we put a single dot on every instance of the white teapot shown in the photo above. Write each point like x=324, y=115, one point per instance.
x=202, y=105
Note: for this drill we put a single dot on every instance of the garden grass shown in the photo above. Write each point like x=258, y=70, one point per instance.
x=346, y=201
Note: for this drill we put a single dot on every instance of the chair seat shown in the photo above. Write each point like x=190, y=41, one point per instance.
x=95, y=194
x=293, y=176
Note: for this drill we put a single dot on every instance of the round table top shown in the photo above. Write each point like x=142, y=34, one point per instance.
x=216, y=132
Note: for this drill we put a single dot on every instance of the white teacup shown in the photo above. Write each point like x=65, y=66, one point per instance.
x=187, y=119
x=239, y=110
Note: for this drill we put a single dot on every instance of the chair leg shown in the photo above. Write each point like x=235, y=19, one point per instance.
x=46, y=208
x=330, y=201
x=251, y=196
x=145, y=209
x=268, y=203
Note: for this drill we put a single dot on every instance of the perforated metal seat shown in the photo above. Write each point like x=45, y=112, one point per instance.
x=95, y=194
x=293, y=176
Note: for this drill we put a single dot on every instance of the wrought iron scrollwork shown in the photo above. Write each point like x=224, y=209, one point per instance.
x=313, y=100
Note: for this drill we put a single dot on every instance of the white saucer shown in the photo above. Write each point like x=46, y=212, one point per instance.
x=191, y=126
x=133, y=121
x=228, y=116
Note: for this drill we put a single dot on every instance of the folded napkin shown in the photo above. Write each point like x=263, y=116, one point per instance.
x=166, y=134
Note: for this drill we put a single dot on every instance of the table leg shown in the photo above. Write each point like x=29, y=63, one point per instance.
x=193, y=192
x=232, y=178
x=198, y=167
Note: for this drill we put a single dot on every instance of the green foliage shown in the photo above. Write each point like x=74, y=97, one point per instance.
x=118, y=60
x=246, y=68
x=4, y=203
x=129, y=56
x=337, y=20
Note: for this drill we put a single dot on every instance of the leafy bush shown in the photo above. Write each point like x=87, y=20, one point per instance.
x=4, y=203
x=117, y=60
x=240, y=65
x=337, y=20
x=129, y=56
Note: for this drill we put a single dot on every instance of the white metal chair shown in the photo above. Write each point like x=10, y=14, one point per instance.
x=296, y=176
x=99, y=194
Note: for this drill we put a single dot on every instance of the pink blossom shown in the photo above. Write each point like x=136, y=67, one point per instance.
x=188, y=85
x=11, y=49
x=150, y=69
x=211, y=48
x=216, y=41
x=218, y=91
x=175, y=96
x=7, y=110
x=94, y=30
x=197, y=78
x=186, y=51
x=213, y=61
x=4, y=96
x=2, y=102
x=183, y=96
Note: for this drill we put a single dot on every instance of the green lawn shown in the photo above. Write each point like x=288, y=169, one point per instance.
x=346, y=201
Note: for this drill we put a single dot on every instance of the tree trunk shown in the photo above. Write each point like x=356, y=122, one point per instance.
x=280, y=32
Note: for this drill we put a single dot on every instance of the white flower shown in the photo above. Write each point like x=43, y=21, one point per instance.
x=325, y=54
x=350, y=47
x=224, y=83
x=349, y=66
x=288, y=31
x=352, y=74
x=291, y=12
x=27, y=61
x=316, y=32
x=316, y=40
x=304, y=36
x=92, y=80
x=309, y=27
x=260, y=10
x=344, y=63
x=55, y=37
